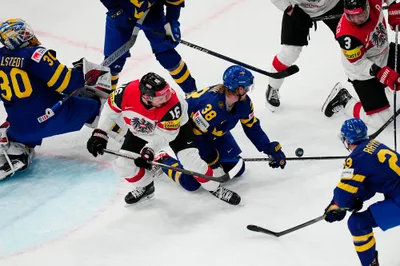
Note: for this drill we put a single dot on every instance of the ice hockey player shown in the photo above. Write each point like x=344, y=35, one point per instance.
x=214, y=112
x=370, y=168
x=368, y=60
x=298, y=16
x=122, y=17
x=156, y=117
x=31, y=80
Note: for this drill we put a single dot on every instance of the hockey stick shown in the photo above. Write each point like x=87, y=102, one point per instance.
x=107, y=62
x=259, y=229
x=395, y=88
x=384, y=126
x=220, y=179
x=266, y=159
x=293, y=69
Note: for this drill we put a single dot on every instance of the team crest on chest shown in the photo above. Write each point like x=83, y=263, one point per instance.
x=379, y=37
x=141, y=125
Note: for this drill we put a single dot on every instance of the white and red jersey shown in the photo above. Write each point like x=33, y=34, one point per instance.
x=364, y=45
x=313, y=8
x=158, y=126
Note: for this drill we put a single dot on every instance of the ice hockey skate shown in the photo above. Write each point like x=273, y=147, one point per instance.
x=226, y=195
x=272, y=98
x=336, y=100
x=140, y=194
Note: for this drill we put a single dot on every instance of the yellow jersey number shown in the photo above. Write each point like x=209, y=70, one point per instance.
x=392, y=160
x=9, y=84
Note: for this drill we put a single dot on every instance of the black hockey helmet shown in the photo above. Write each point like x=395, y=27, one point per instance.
x=356, y=11
x=155, y=89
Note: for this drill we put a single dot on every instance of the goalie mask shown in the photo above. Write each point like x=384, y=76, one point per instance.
x=16, y=33
x=155, y=89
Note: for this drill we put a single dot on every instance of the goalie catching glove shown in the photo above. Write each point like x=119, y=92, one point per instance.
x=97, y=78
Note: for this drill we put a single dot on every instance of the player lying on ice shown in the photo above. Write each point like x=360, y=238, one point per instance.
x=31, y=80
x=368, y=60
x=370, y=168
x=156, y=117
x=214, y=112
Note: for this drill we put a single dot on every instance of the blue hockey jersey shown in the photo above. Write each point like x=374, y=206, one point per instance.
x=31, y=80
x=371, y=168
x=211, y=119
x=136, y=8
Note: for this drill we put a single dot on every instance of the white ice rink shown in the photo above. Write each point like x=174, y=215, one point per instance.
x=68, y=210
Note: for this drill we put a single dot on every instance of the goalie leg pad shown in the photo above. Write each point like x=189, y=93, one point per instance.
x=17, y=158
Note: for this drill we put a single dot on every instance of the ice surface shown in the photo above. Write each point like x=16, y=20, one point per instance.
x=69, y=209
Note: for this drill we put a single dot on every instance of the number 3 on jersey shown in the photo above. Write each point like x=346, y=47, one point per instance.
x=10, y=84
x=208, y=112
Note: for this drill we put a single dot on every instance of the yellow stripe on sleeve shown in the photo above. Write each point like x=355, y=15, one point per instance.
x=65, y=82
x=349, y=188
x=56, y=75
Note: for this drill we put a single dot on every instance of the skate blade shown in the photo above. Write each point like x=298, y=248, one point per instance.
x=270, y=107
x=143, y=200
x=332, y=95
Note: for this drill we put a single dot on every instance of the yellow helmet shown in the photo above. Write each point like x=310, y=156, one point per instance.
x=16, y=33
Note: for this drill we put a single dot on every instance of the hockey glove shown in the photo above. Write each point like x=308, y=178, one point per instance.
x=333, y=213
x=4, y=142
x=274, y=150
x=173, y=33
x=97, y=142
x=389, y=77
x=394, y=15
x=300, y=18
x=357, y=205
x=120, y=18
x=145, y=159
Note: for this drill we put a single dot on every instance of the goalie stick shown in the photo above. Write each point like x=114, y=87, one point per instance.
x=259, y=229
x=220, y=179
x=293, y=69
x=49, y=112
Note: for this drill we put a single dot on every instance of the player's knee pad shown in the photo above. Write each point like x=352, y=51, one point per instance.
x=188, y=182
x=227, y=166
x=169, y=59
x=126, y=168
x=287, y=55
x=378, y=119
x=190, y=159
x=361, y=223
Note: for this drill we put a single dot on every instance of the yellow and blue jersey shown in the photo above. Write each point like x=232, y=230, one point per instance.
x=371, y=168
x=212, y=119
x=136, y=8
x=31, y=80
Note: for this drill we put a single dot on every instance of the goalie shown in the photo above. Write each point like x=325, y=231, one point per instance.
x=31, y=80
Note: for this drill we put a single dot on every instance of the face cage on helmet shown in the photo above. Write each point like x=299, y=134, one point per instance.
x=161, y=97
x=357, y=16
x=14, y=39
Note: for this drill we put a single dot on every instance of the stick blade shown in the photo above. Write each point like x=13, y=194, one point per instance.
x=259, y=229
x=293, y=69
